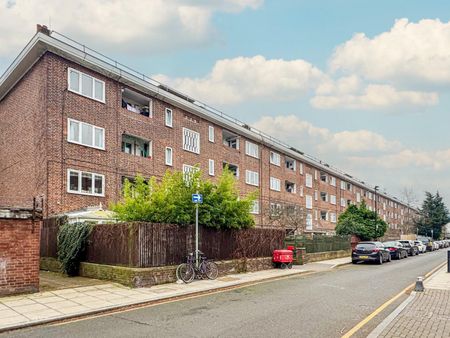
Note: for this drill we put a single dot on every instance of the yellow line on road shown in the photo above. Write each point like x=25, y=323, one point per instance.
x=358, y=326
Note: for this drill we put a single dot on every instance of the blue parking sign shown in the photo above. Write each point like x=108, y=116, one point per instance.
x=197, y=198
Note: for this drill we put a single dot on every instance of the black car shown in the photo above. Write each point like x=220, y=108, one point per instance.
x=410, y=246
x=370, y=252
x=396, y=249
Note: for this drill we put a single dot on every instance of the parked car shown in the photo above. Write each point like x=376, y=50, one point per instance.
x=370, y=252
x=422, y=248
x=437, y=246
x=410, y=246
x=428, y=244
x=396, y=249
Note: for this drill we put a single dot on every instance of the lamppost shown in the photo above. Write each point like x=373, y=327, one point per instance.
x=376, y=208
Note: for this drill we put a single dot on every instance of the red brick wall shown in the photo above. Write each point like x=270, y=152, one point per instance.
x=19, y=256
x=38, y=109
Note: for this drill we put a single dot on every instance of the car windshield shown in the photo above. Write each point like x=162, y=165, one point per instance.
x=365, y=246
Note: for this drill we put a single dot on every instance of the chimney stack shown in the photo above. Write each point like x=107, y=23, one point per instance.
x=42, y=29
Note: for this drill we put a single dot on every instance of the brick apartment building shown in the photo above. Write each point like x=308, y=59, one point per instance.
x=74, y=124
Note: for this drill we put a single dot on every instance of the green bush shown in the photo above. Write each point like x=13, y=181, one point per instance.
x=361, y=222
x=170, y=201
x=72, y=241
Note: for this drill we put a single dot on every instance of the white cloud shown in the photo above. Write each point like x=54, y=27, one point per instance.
x=305, y=136
x=372, y=97
x=235, y=80
x=409, y=52
x=131, y=25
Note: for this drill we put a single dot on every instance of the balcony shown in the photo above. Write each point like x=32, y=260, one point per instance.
x=136, y=102
x=135, y=146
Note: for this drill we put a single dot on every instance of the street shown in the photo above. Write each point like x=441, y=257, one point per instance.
x=325, y=304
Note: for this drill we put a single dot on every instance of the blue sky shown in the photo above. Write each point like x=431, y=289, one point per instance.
x=362, y=85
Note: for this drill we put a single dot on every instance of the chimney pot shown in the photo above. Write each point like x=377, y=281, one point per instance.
x=42, y=29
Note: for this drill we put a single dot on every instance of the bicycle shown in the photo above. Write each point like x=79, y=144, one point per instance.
x=188, y=271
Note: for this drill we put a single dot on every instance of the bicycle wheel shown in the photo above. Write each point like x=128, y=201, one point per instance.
x=186, y=272
x=211, y=270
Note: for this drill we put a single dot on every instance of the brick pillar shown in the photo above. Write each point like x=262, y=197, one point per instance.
x=19, y=252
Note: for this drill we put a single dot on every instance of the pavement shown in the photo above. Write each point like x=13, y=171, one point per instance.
x=57, y=305
x=422, y=314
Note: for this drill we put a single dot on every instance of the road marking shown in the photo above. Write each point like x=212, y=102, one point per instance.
x=358, y=326
x=177, y=299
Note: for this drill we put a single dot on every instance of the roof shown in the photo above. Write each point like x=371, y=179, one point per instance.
x=91, y=213
x=89, y=58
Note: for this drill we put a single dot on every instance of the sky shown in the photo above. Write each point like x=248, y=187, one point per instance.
x=362, y=85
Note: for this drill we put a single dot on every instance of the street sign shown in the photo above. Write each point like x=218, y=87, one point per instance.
x=197, y=198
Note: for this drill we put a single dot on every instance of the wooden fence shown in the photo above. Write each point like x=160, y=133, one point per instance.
x=320, y=243
x=148, y=245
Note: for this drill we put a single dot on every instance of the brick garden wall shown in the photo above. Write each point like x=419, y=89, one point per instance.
x=19, y=256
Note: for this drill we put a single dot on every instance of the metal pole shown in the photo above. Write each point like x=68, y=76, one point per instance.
x=196, y=234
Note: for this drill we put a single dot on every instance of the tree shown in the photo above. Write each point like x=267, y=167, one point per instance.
x=291, y=217
x=409, y=225
x=433, y=215
x=362, y=222
x=169, y=201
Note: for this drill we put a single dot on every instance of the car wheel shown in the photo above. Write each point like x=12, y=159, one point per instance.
x=354, y=262
x=380, y=260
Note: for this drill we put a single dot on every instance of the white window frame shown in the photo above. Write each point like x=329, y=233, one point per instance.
x=255, y=207
x=343, y=185
x=316, y=195
x=275, y=184
x=326, y=215
x=309, y=221
x=294, y=191
x=196, y=148
x=343, y=202
x=333, y=199
x=301, y=191
x=80, y=85
x=211, y=171
x=275, y=158
x=169, y=159
x=80, y=173
x=308, y=180
x=80, y=124
x=315, y=175
x=251, y=149
x=252, y=178
x=168, y=114
x=332, y=217
x=301, y=168
x=333, y=181
x=358, y=197
x=188, y=169
x=308, y=202
x=211, y=134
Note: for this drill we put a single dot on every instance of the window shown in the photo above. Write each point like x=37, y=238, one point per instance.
x=85, y=183
x=349, y=202
x=275, y=210
x=290, y=163
x=275, y=158
x=275, y=184
x=86, y=134
x=137, y=103
x=333, y=181
x=86, y=85
x=309, y=221
x=231, y=167
x=290, y=187
x=315, y=175
x=315, y=215
x=308, y=180
x=211, y=167
x=370, y=195
x=135, y=146
x=343, y=204
x=251, y=149
x=332, y=217
x=349, y=186
x=252, y=177
x=324, y=216
x=333, y=199
x=211, y=134
x=191, y=141
x=308, y=201
x=169, y=156
x=188, y=171
x=358, y=197
x=230, y=139
x=316, y=195
x=323, y=176
x=324, y=196
x=301, y=168
x=343, y=185
x=169, y=117
x=255, y=208
x=301, y=191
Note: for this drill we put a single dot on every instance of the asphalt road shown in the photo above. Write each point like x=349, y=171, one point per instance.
x=326, y=304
